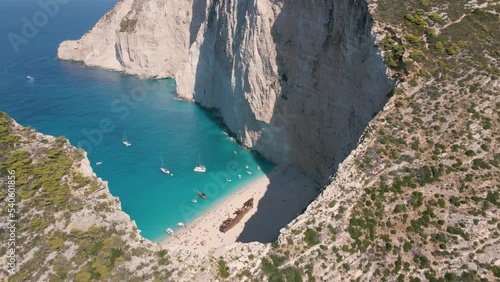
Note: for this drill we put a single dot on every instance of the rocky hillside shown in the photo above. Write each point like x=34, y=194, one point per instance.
x=297, y=82
x=418, y=200
x=67, y=224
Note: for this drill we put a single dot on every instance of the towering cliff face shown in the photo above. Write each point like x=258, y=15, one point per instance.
x=297, y=81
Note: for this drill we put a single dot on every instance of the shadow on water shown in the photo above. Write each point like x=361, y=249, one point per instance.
x=320, y=114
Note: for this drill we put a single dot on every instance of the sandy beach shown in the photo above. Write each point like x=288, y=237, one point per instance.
x=278, y=198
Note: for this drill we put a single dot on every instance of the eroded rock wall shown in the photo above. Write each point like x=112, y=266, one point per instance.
x=297, y=81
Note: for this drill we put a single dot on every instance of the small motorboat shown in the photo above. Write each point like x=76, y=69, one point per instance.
x=239, y=176
x=258, y=167
x=180, y=224
x=235, y=152
x=246, y=166
x=194, y=200
x=228, y=180
x=249, y=172
x=98, y=163
x=125, y=141
x=170, y=231
x=202, y=195
x=30, y=78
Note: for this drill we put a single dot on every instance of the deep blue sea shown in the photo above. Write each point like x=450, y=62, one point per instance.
x=94, y=108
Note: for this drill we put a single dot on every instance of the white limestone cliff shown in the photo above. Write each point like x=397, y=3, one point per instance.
x=296, y=81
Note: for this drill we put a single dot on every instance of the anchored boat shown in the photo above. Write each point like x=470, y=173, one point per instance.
x=202, y=195
x=125, y=141
x=170, y=231
x=199, y=168
x=164, y=169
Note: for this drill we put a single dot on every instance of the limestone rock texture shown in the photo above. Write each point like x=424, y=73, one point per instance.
x=297, y=81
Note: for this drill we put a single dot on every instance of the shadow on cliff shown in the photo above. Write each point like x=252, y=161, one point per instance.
x=198, y=16
x=288, y=195
x=322, y=111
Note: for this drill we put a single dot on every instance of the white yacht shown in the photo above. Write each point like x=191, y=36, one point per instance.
x=170, y=231
x=199, y=168
x=125, y=141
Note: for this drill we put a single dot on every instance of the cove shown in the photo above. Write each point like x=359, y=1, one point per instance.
x=94, y=108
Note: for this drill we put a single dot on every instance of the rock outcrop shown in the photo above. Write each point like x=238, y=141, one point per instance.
x=296, y=81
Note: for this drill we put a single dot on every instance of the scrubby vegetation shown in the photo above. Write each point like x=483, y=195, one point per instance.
x=50, y=203
x=428, y=208
x=128, y=25
x=223, y=269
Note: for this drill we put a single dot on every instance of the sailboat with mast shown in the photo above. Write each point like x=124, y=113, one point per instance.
x=164, y=169
x=200, y=168
x=125, y=141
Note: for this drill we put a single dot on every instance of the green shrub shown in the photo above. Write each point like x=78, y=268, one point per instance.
x=83, y=276
x=435, y=17
x=480, y=163
x=267, y=267
x=60, y=140
x=415, y=19
x=412, y=38
x=56, y=243
x=431, y=34
x=293, y=274
x=128, y=25
x=400, y=208
x=496, y=271
x=493, y=197
x=38, y=224
x=246, y=273
x=407, y=246
x=223, y=269
x=416, y=55
x=470, y=153
x=311, y=237
x=331, y=204
x=458, y=231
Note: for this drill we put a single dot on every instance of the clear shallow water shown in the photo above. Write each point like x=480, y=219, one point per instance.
x=93, y=108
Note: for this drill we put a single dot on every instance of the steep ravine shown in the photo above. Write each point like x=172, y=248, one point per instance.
x=298, y=82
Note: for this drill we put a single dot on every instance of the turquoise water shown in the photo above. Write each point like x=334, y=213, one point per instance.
x=93, y=108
